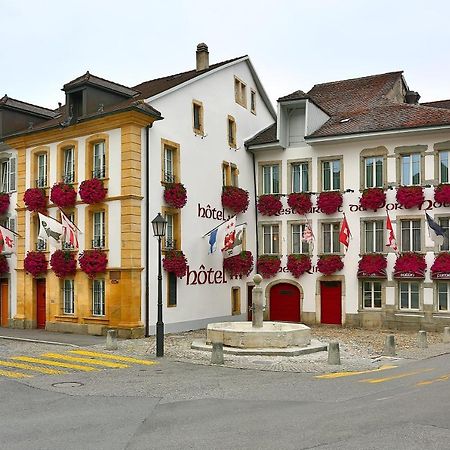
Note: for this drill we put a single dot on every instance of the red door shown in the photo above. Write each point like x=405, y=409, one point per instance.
x=284, y=303
x=249, y=302
x=40, y=304
x=331, y=302
x=4, y=289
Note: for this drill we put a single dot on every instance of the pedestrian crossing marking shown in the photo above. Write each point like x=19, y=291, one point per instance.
x=145, y=362
x=394, y=377
x=113, y=365
x=30, y=367
x=8, y=374
x=47, y=362
x=332, y=375
x=435, y=380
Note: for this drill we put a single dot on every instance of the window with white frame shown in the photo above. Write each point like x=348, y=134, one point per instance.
x=371, y=294
x=169, y=237
x=169, y=156
x=331, y=175
x=298, y=245
x=98, y=160
x=411, y=235
x=271, y=239
x=68, y=297
x=271, y=179
x=41, y=181
x=8, y=175
x=443, y=288
x=98, y=297
x=373, y=236
x=300, y=177
x=373, y=170
x=410, y=169
x=443, y=166
x=69, y=165
x=409, y=295
x=444, y=223
x=330, y=237
x=98, y=229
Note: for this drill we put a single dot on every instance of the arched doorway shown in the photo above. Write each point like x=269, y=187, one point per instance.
x=284, y=303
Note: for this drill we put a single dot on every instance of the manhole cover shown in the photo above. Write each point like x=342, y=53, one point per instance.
x=68, y=384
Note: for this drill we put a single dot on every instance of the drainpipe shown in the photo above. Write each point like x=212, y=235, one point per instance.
x=256, y=207
x=147, y=234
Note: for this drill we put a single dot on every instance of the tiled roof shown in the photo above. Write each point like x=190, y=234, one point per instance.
x=297, y=95
x=266, y=136
x=27, y=107
x=445, y=104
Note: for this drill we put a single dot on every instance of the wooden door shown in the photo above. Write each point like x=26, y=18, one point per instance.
x=249, y=302
x=41, y=311
x=4, y=303
x=284, y=303
x=331, y=302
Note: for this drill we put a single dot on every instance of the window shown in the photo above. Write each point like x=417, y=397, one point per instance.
x=230, y=174
x=298, y=245
x=41, y=244
x=444, y=223
x=271, y=179
x=69, y=165
x=231, y=132
x=68, y=245
x=253, y=101
x=169, y=176
x=443, y=296
x=234, y=175
x=8, y=175
x=171, y=289
x=98, y=160
x=300, y=177
x=330, y=237
x=443, y=166
x=98, y=297
x=331, y=175
x=235, y=301
x=410, y=169
x=374, y=236
x=373, y=169
x=68, y=297
x=240, y=92
x=271, y=241
x=171, y=240
x=411, y=235
x=197, y=114
x=98, y=229
x=41, y=181
x=169, y=237
x=371, y=294
x=409, y=295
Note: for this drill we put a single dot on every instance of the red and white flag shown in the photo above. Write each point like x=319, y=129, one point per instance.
x=308, y=235
x=7, y=241
x=70, y=231
x=229, y=233
x=391, y=242
x=344, y=234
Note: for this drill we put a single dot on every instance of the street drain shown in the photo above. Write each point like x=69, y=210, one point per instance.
x=68, y=384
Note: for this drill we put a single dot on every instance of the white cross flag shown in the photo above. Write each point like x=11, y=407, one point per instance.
x=7, y=241
x=236, y=247
x=70, y=231
x=50, y=230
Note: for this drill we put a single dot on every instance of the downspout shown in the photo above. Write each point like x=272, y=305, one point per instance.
x=256, y=207
x=147, y=234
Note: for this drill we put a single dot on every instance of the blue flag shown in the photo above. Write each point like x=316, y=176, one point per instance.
x=213, y=241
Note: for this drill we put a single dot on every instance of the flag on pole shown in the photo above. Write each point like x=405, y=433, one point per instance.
x=308, y=235
x=69, y=231
x=7, y=241
x=391, y=242
x=344, y=234
x=436, y=232
x=50, y=230
x=222, y=236
x=229, y=231
x=236, y=247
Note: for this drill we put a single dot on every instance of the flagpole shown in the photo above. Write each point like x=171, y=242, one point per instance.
x=220, y=224
x=13, y=232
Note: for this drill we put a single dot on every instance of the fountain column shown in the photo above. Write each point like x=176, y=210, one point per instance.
x=257, y=303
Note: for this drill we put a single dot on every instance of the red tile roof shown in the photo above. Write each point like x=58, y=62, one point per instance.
x=445, y=104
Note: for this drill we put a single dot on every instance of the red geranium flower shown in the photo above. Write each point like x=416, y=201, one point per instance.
x=35, y=263
x=441, y=264
x=298, y=264
x=175, y=195
x=4, y=266
x=372, y=265
x=268, y=265
x=235, y=199
x=63, y=195
x=4, y=203
x=410, y=196
x=93, y=262
x=35, y=200
x=329, y=202
x=92, y=191
x=413, y=263
x=239, y=265
x=175, y=261
x=442, y=193
x=269, y=204
x=63, y=263
x=300, y=202
x=373, y=198
x=329, y=264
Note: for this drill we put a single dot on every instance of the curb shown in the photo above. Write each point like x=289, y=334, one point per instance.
x=38, y=341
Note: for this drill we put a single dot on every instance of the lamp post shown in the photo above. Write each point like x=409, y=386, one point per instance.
x=159, y=230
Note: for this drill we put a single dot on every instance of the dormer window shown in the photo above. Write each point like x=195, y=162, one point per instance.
x=76, y=104
x=98, y=160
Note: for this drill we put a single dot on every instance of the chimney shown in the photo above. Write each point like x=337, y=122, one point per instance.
x=412, y=97
x=202, y=55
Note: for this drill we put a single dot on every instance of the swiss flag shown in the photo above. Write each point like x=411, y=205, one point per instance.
x=391, y=236
x=344, y=235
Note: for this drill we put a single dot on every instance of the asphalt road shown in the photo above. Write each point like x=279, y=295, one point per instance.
x=173, y=405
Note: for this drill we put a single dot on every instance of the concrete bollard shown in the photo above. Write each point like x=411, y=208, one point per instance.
x=446, y=337
x=422, y=339
x=217, y=353
x=111, y=340
x=334, y=356
x=389, y=345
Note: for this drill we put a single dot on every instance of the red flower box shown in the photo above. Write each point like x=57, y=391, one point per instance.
x=269, y=204
x=372, y=266
x=410, y=196
x=4, y=266
x=268, y=265
x=174, y=261
x=239, y=265
x=410, y=265
x=35, y=263
x=92, y=191
x=63, y=195
x=441, y=266
x=298, y=264
x=235, y=199
x=93, y=262
x=63, y=263
x=35, y=200
x=175, y=195
x=300, y=202
x=373, y=198
x=329, y=264
x=329, y=202
x=4, y=203
x=442, y=193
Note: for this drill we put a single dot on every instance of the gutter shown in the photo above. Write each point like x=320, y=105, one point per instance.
x=256, y=207
x=147, y=224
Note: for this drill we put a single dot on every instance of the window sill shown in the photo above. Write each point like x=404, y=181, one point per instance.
x=331, y=254
x=66, y=318
x=199, y=132
x=96, y=319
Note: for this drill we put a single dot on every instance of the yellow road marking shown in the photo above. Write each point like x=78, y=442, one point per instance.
x=393, y=377
x=116, y=357
x=349, y=374
x=30, y=367
x=435, y=380
x=95, y=362
x=46, y=362
x=8, y=374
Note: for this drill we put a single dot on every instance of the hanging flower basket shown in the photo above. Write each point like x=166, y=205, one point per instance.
x=410, y=196
x=410, y=265
x=35, y=200
x=442, y=193
x=298, y=264
x=300, y=202
x=372, y=266
x=269, y=204
x=63, y=263
x=441, y=267
x=4, y=266
x=329, y=202
x=92, y=191
x=235, y=199
x=4, y=203
x=35, y=263
x=239, y=265
x=63, y=195
x=175, y=195
x=174, y=261
x=93, y=262
x=329, y=264
x=268, y=265
x=373, y=198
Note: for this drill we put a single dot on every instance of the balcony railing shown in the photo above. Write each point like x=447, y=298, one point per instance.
x=169, y=177
x=67, y=246
x=41, y=182
x=98, y=243
x=170, y=244
x=69, y=177
x=99, y=172
x=41, y=245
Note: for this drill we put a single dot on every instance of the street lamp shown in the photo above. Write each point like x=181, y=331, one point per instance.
x=159, y=230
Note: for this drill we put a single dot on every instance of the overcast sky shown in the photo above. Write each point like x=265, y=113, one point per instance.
x=292, y=44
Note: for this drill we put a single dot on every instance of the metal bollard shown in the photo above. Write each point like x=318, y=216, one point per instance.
x=217, y=353
x=389, y=345
x=446, y=337
x=422, y=339
x=111, y=340
x=334, y=356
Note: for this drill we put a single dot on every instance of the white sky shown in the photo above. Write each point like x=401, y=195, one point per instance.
x=292, y=44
